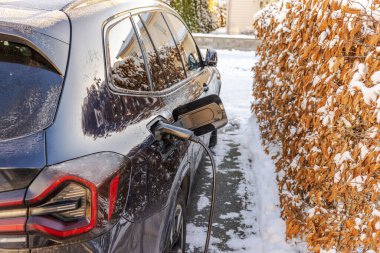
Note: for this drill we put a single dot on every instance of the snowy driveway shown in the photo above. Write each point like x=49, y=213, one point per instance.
x=247, y=216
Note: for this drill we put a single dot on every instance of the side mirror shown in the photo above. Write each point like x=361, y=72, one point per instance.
x=211, y=58
x=202, y=116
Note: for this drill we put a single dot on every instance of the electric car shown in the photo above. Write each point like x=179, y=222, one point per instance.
x=83, y=85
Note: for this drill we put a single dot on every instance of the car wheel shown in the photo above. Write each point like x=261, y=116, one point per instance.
x=213, y=139
x=177, y=233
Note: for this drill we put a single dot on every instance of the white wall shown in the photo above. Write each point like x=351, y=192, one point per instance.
x=240, y=14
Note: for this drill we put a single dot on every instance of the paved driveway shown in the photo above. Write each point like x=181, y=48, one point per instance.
x=236, y=212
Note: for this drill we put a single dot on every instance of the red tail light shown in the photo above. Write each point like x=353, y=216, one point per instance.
x=13, y=224
x=66, y=208
x=13, y=213
x=114, y=186
x=76, y=200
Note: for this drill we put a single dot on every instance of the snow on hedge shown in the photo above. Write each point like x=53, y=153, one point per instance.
x=317, y=94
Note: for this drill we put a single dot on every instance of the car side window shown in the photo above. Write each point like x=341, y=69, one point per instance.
x=127, y=65
x=162, y=53
x=158, y=75
x=185, y=43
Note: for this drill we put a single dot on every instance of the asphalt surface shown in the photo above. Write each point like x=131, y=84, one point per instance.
x=236, y=224
x=231, y=199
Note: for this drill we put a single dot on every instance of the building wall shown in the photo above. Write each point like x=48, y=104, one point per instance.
x=240, y=14
x=229, y=42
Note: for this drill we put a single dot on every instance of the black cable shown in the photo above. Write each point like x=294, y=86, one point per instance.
x=213, y=190
x=160, y=128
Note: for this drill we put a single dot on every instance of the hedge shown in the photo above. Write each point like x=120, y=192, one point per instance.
x=317, y=97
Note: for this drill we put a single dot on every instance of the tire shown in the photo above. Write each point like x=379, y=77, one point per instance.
x=213, y=139
x=176, y=239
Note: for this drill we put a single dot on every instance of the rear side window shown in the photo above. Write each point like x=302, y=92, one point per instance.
x=30, y=89
x=166, y=54
x=126, y=59
x=185, y=43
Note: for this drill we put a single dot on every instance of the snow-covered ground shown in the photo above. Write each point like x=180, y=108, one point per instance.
x=247, y=217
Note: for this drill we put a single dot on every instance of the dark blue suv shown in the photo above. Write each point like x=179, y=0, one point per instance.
x=81, y=82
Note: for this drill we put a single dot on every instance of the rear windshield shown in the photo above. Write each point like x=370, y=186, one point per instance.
x=29, y=91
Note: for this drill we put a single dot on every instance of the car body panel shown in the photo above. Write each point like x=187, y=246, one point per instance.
x=52, y=23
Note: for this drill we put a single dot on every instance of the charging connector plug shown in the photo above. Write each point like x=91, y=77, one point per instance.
x=160, y=129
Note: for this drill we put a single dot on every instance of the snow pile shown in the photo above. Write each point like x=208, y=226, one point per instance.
x=247, y=213
x=317, y=97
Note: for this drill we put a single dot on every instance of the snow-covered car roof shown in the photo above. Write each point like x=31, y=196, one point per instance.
x=49, y=18
x=38, y=4
x=56, y=5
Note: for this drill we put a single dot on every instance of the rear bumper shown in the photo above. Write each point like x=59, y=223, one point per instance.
x=125, y=236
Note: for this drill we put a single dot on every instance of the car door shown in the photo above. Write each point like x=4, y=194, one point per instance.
x=144, y=65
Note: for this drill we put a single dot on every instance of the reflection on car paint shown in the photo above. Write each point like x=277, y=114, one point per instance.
x=154, y=167
x=104, y=112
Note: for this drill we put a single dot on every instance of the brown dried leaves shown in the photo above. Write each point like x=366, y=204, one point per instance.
x=312, y=90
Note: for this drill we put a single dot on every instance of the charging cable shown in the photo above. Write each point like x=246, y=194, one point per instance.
x=159, y=129
x=213, y=190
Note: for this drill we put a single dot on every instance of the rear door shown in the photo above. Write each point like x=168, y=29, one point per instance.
x=143, y=65
x=154, y=66
x=166, y=71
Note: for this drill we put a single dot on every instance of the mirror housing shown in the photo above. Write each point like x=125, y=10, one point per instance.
x=211, y=58
x=202, y=116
